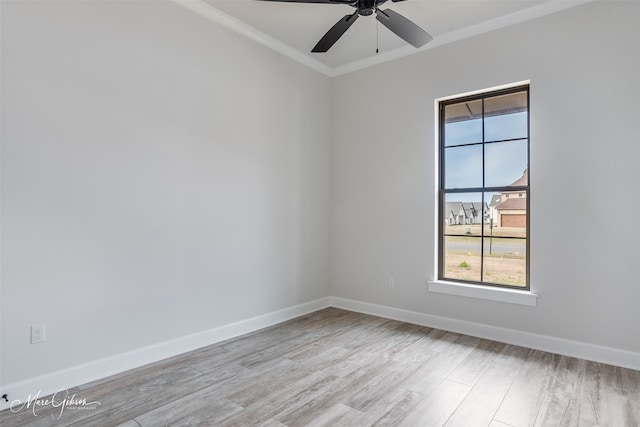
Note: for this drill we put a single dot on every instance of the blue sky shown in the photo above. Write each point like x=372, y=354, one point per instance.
x=504, y=161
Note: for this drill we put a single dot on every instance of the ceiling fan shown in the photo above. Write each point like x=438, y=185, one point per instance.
x=398, y=24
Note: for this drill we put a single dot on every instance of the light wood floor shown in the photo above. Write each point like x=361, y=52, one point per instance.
x=338, y=368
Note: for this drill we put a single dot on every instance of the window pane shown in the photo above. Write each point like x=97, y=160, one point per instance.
x=502, y=218
x=463, y=123
x=491, y=200
x=505, y=117
x=507, y=126
x=505, y=261
x=463, y=167
x=510, y=215
x=462, y=255
x=463, y=214
x=504, y=163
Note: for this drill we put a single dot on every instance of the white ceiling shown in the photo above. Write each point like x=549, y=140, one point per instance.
x=294, y=28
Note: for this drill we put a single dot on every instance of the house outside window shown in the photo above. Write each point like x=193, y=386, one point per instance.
x=484, y=188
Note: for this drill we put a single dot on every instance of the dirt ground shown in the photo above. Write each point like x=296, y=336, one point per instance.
x=497, y=269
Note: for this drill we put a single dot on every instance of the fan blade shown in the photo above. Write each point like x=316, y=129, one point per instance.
x=335, y=33
x=403, y=27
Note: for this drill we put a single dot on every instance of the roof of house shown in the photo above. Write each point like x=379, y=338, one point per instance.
x=523, y=180
x=495, y=200
x=452, y=208
x=470, y=209
x=516, y=203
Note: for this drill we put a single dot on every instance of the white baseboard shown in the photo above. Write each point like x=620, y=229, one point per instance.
x=48, y=384
x=67, y=378
x=581, y=350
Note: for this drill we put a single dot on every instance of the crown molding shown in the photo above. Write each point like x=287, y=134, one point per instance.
x=208, y=11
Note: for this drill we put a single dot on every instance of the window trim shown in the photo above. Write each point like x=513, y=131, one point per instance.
x=441, y=283
x=485, y=292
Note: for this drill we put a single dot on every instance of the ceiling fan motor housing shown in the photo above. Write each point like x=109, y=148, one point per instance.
x=366, y=7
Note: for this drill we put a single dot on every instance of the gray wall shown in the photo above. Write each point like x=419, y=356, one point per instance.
x=585, y=101
x=161, y=176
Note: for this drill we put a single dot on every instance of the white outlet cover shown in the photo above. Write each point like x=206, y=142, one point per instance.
x=38, y=334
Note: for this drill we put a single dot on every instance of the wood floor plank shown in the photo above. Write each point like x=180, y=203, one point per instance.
x=568, y=376
x=130, y=402
x=396, y=409
x=257, y=383
x=339, y=415
x=312, y=350
x=513, y=355
x=267, y=388
x=473, y=366
x=271, y=423
x=524, y=399
x=284, y=347
x=408, y=338
x=561, y=400
x=435, y=369
x=279, y=399
x=484, y=399
x=607, y=399
x=121, y=399
x=339, y=368
x=437, y=407
x=439, y=340
x=203, y=408
x=339, y=391
x=309, y=403
x=559, y=410
x=351, y=363
x=390, y=338
x=381, y=346
x=386, y=379
x=367, y=335
x=420, y=350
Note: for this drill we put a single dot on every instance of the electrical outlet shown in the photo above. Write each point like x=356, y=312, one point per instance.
x=37, y=334
x=392, y=283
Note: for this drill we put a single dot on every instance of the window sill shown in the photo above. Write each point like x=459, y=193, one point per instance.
x=512, y=296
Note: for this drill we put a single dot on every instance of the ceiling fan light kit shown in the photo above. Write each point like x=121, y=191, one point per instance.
x=404, y=28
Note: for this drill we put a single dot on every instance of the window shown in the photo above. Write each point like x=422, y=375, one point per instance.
x=484, y=188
